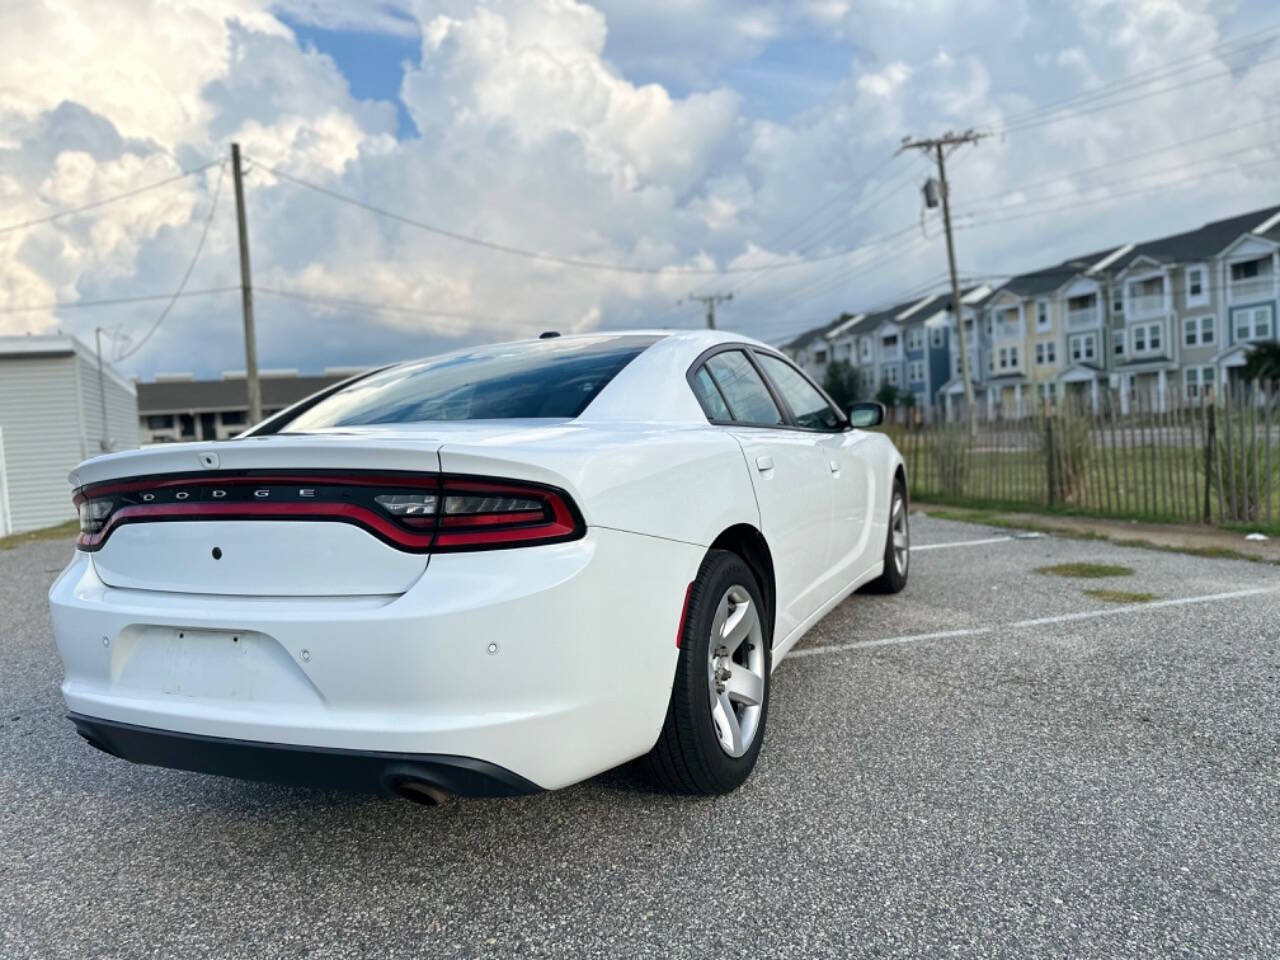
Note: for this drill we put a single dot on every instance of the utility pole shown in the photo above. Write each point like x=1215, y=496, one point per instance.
x=711, y=300
x=246, y=295
x=938, y=146
x=102, y=393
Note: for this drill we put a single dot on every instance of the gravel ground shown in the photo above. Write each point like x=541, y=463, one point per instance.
x=1101, y=786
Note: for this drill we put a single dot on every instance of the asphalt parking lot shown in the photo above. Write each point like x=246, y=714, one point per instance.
x=990, y=764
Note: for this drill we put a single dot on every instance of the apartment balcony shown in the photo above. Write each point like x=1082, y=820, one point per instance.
x=1150, y=306
x=891, y=354
x=1253, y=289
x=1086, y=318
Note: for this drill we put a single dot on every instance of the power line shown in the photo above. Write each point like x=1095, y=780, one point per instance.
x=1140, y=79
x=535, y=255
x=1075, y=203
x=114, y=301
x=1136, y=178
x=106, y=200
x=182, y=285
x=1073, y=114
x=1048, y=181
x=325, y=300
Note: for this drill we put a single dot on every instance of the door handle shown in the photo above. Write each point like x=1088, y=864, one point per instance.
x=835, y=467
x=764, y=463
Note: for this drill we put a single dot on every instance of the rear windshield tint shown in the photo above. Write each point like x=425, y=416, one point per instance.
x=554, y=378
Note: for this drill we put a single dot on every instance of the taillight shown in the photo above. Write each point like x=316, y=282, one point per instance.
x=93, y=515
x=415, y=512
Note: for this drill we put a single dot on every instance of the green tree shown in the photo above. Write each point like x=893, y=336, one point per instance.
x=1263, y=362
x=841, y=383
x=888, y=395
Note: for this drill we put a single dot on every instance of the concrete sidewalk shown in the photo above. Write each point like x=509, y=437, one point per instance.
x=1199, y=540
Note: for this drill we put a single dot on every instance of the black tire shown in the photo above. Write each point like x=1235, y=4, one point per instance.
x=688, y=757
x=894, y=577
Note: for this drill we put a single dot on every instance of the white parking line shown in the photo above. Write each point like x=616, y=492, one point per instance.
x=960, y=543
x=1036, y=622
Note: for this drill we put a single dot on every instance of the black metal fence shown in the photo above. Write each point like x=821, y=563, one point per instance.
x=1214, y=460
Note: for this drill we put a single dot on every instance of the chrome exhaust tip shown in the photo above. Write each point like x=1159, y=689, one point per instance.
x=408, y=783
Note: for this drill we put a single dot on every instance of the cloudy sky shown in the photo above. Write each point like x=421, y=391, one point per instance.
x=665, y=148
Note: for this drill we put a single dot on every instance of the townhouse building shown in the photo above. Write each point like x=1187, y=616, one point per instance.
x=1191, y=305
x=1158, y=322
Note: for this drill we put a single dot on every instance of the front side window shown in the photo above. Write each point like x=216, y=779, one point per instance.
x=1192, y=328
x=747, y=397
x=1042, y=315
x=808, y=406
x=554, y=378
x=1206, y=329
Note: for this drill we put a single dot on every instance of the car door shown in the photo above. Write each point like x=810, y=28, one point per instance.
x=789, y=474
x=846, y=455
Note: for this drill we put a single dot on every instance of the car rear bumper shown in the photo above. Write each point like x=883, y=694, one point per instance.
x=302, y=766
x=552, y=663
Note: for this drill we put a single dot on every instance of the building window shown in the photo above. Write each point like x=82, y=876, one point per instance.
x=1046, y=353
x=1192, y=330
x=915, y=339
x=891, y=375
x=1197, y=289
x=1118, y=347
x=1206, y=330
x=1042, y=315
x=819, y=356
x=1008, y=358
x=160, y=421
x=1197, y=380
x=1253, y=323
x=1048, y=390
x=1148, y=337
x=1084, y=347
x=915, y=371
x=864, y=346
x=935, y=338
x=233, y=418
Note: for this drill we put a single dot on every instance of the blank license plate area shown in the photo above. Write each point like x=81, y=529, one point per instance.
x=242, y=666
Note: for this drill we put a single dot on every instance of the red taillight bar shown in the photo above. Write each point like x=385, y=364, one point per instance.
x=346, y=497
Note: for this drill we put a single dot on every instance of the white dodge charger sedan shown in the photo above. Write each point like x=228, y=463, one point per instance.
x=495, y=571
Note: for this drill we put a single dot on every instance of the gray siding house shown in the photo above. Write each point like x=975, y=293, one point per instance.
x=51, y=418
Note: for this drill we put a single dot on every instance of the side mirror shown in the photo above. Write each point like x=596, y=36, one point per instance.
x=866, y=415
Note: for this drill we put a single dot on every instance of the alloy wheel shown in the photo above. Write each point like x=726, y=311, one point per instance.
x=736, y=671
x=901, y=536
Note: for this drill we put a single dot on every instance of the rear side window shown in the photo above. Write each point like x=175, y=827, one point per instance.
x=554, y=378
x=748, y=398
x=709, y=396
x=810, y=407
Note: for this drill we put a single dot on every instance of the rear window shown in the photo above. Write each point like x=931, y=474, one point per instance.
x=551, y=379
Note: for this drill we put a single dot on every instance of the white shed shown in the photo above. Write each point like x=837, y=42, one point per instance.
x=51, y=404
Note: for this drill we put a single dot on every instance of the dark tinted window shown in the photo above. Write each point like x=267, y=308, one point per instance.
x=808, y=405
x=709, y=396
x=546, y=378
x=748, y=398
